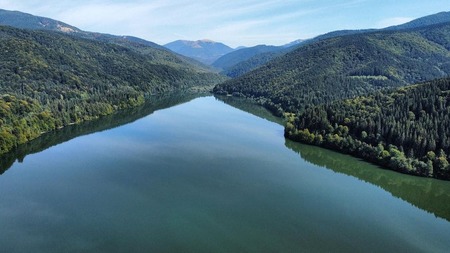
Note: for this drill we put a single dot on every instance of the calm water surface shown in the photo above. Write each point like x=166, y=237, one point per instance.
x=206, y=177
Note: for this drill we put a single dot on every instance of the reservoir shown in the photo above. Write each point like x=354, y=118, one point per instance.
x=204, y=175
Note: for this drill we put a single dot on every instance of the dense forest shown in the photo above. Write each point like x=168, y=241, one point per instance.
x=242, y=61
x=345, y=67
x=252, y=63
x=49, y=80
x=406, y=129
x=107, y=122
x=323, y=88
x=155, y=52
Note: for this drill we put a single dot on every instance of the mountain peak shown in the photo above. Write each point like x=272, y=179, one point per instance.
x=27, y=21
x=207, y=41
x=205, y=50
x=293, y=43
x=434, y=19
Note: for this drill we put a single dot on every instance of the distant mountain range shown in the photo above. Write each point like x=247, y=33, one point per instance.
x=27, y=21
x=337, y=91
x=438, y=18
x=205, y=51
x=248, y=59
x=228, y=62
x=226, y=58
x=53, y=74
x=235, y=57
x=347, y=66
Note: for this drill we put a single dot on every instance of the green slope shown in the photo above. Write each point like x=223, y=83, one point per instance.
x=434, y=19
x=27, y=21
x=49, y=80
x=247, y=64
x=406, y=129
x=235, y=57
x=345, y=67
x=156, y=52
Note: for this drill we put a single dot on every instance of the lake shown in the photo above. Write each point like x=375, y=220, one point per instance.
x=202, y=175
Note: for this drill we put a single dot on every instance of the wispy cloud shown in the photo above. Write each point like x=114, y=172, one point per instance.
x=245, y=22
x=393, y=21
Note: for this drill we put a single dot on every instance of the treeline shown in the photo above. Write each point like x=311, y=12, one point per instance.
x=49, y=80
x=69, y=132
x=406, y=129
x=345, y=67
x=311, y=80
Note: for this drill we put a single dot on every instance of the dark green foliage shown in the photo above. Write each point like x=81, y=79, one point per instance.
x=252, y=63
x=155, y=52
x=21, y=120
x=243, y=60
x=49, y=80
x=406, y=129
x=27, y=21
x=69, y=132
x=345, y=67
x=248, y=64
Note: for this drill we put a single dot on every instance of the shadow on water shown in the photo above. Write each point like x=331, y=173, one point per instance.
x=251, y=107
x=427, y=194
x=107, y=122
x=431, y=195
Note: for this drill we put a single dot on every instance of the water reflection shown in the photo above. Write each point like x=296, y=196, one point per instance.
x=111, y=121
x=251, y=107
x=202, y=177
x=427, y=194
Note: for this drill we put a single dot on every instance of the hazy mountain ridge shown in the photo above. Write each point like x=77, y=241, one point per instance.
x=248, y=58
x=158, y=53
x=205, y=51
x=434, y=19
x=347, y=66
x=248, y=64
x=28, y=21
x=237, y=56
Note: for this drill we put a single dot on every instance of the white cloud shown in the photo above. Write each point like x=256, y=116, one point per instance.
x=393, y=21
x=245, y=22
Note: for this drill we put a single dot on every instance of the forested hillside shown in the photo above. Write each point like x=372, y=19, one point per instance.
x=107, y=122
x=345, y=67
x=407, y=129
x=252, y=63
x=248, y=64
x=156, y=52
x=434, y=19
x=49, y=80
x=229, y=63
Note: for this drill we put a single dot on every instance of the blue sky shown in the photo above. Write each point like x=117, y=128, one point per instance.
x=235, y=23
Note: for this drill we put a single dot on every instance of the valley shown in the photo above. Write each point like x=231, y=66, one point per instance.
x=337, y=142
